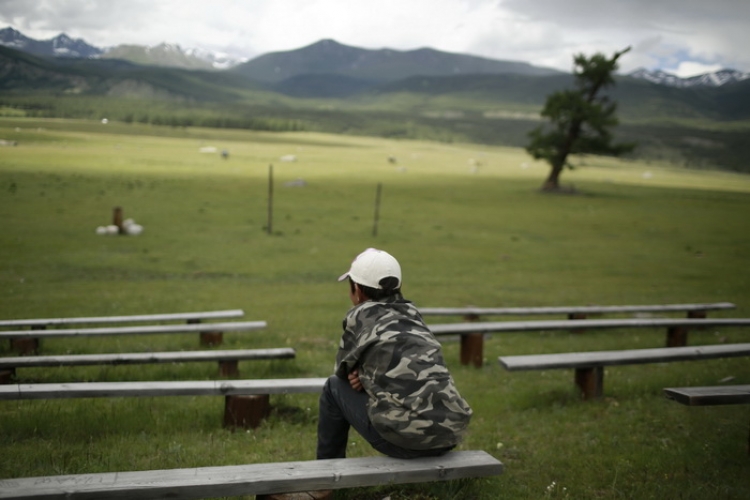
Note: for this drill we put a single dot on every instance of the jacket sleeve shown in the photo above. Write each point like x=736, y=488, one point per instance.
x=347, y=357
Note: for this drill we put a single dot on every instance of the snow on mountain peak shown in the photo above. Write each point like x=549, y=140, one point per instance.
x=714, y=79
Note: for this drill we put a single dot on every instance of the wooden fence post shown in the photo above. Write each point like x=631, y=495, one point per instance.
x=117, y=220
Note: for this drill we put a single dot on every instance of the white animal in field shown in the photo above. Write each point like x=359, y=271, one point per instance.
x=128, y=225
x=288, y=158
x=131, y=228
x=134, y=229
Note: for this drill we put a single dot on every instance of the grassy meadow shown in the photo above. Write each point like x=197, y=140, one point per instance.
x=469, y=226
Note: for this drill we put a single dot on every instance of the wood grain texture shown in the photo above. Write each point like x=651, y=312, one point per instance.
x=253, y=479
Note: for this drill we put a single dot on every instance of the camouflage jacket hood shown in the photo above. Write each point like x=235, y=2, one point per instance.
x=414, y=402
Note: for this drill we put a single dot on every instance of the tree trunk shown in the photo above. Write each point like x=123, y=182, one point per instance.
x=553, y=180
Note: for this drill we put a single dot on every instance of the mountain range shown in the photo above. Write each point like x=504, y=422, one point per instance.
x=330, y=87
x=362, y=66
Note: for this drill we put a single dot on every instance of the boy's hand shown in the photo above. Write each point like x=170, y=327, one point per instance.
x=354, y=380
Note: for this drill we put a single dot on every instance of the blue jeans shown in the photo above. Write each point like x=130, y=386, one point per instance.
x=341, y=407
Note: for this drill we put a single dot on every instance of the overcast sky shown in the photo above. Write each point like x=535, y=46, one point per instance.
x=685, y=37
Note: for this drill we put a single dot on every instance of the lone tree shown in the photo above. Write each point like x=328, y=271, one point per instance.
x=580, y=119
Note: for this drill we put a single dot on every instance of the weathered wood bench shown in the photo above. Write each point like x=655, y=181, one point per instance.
x=211, y=333
x=254, y=479
x=191, y=317
x=228, y=359
x=589, y=366
x=472, y=338
x=711, y=396
x=575, y=312
x=246, y=401
x=30, y=344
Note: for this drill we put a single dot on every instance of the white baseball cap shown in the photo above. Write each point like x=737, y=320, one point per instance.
x=371, y=266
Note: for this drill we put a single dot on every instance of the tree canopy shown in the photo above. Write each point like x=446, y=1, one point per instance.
x=580, y=119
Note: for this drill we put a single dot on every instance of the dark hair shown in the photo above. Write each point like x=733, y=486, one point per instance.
x=389, y=284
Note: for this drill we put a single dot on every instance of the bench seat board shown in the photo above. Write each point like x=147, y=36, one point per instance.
x=228, y=314
x=254, y=479
x=580, y=324
x=145, y=357
x=624, y=357
x=709, y=396
x=160, y=388
x=136, y=330
x=520, y=311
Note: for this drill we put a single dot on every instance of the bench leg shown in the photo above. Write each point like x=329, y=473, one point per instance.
x=211, y=338
x=229, y=368
x=576, y=316
x=472, y=349
x=6, y=376
x=207, y=338
x=677, y=336
x=246, y=411
x=590, y=381
x=25, y=345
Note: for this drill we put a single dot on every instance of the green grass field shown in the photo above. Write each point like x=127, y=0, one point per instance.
x=469, y=226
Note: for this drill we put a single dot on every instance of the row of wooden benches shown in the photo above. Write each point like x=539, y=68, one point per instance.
x=472, y=333
x=269, y=478
x=294, y=476
x=574, y=312
x=588, y=368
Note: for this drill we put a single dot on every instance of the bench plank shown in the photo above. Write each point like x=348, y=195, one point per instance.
x=145, y=357
x=624, y=357
x=160, y=388
x=254, y=479
x=228, y=314
x=136, y=330
x=709, y=396
x=521, y=311
x=589, y=366
x=581, y=324
x=472, y=341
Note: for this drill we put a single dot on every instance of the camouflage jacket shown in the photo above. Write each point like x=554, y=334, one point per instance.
x=414, y=402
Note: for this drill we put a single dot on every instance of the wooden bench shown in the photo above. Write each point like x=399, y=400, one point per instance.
x=575, y=312
x=254, y=479
x=228, y=359
x=589, y=366
x=711, y=396
x=246, y=401
x=472, y=338
x=30, y=344
x=191, y=317
x=211, y=333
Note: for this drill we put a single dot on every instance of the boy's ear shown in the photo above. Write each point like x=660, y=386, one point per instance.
x=359, y=294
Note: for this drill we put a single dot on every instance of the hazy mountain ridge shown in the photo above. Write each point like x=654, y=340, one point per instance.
x=164, y=54
x=382, y=65
x=328, y=57
x=60, y=46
